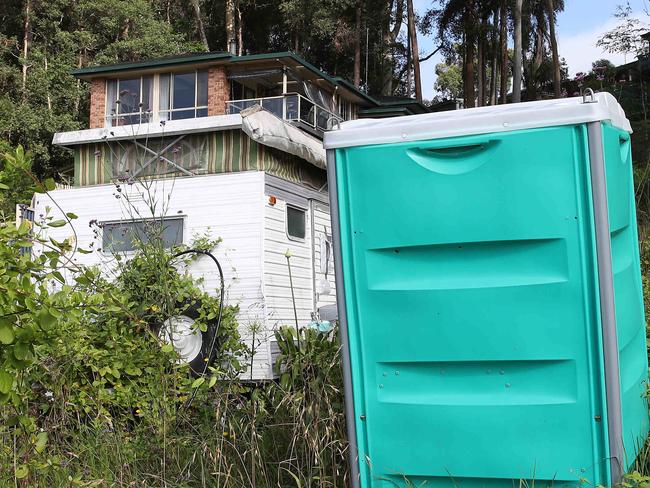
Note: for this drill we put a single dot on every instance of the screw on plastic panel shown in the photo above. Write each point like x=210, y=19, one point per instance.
x=588, y=92
x=597, y=418
x=362, y=417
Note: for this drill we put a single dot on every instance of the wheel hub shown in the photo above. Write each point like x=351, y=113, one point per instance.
x=181, y=333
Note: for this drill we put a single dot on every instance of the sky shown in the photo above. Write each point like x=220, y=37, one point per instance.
x=578, y=28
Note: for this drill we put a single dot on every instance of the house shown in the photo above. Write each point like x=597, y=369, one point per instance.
x=186, y=133
x=639, y=69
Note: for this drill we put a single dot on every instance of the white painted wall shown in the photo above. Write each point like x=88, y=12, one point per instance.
x=323, y=232
x=277, y=290
x=229, y=206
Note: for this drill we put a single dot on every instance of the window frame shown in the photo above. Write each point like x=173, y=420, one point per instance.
x=168, y=112
x=286, y=222
x=113, y=114
x=182, y=218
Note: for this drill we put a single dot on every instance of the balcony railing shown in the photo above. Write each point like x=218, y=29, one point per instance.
x=135, y=118
x=293, y=108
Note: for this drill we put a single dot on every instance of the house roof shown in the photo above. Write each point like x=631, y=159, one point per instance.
x=190, y=58
x=395, y=105
x=219, y=57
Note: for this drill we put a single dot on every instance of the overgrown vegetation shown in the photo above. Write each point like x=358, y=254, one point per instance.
x=91, y=396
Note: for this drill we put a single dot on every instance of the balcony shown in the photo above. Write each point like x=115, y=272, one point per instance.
x=135, y=118
x=294, y=108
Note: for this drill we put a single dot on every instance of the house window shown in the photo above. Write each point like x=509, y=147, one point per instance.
x=127, y=236
x=296, y=223
x=129, y=100
x=183, y=95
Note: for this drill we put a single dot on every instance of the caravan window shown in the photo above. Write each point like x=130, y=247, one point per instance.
x=296, y=218
x=126, y=236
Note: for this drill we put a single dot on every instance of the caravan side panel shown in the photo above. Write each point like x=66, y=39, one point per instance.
x=323, y=256
x=277, y=286
x=228, y=206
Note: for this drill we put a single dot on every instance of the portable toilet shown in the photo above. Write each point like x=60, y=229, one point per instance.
x=490, y=295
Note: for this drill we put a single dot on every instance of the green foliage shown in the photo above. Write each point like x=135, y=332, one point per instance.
x=87, y=356
x=449, y=81
x=65, y=35
x=90, y=396
x=626, y=36
x=16, y=181
x=309, y=399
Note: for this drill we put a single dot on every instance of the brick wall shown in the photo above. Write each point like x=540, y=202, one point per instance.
x=218, y=90
x=97, y=103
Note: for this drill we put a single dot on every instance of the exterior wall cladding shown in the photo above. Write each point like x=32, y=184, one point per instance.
x=218, y=95
x=97, y=103
x=218, y=90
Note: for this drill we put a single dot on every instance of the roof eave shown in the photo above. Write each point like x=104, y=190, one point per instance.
x=95, y=71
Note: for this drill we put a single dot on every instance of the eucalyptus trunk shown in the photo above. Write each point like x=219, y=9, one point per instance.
x=199, y=24
x=415, y=54
x=503, y=39
x=27, y=41
x=231, y=32
x=390, y=35
x=494, y=51
x=481, y=71
x=469, y=92
x=557, y=78
x=536, y=64
x=518, y=55
x=357, y=47
x=240, y=36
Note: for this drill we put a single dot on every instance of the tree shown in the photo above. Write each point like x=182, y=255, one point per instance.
x=518, y=53
x=16, y=183
x=390, y=36
x=449, y=80
x=625, y=38
x=503, y=40
x=604, y=71
x=38, y=95
x=357, y=46
x=557, y=81
x=231, y=33
x=199, y=23
x=415, y=55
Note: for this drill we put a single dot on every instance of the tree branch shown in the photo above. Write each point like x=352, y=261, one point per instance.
x=422, y=60
x=429, y=56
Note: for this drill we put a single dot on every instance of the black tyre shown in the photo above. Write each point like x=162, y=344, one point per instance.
x=192, y=345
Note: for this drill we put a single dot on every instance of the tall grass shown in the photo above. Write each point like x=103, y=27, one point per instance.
x=288, y=432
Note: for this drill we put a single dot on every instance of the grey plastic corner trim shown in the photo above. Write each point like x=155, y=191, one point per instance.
x=353, y=455
x=607, y=306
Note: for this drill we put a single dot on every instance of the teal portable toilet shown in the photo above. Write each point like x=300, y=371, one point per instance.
x=490, y=295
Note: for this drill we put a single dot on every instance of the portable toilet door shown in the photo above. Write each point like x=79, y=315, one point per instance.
x=490, y=295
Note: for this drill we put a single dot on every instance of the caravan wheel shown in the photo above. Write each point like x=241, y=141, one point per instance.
x=191, y=344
